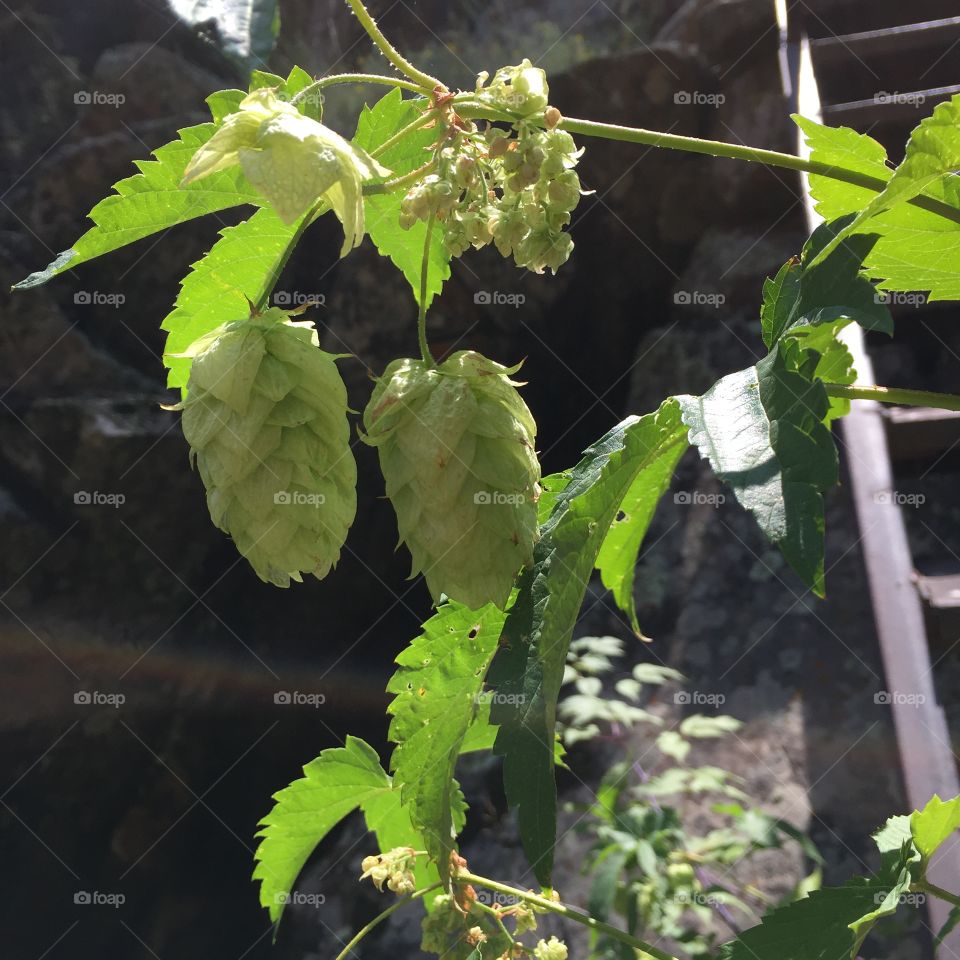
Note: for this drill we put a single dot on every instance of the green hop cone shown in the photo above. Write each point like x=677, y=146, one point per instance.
x=456, y=445
x=266, y=419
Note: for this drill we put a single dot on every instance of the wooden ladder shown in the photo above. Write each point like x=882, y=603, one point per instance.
x=860, y=64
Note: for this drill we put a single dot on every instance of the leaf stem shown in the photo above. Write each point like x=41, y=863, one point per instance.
x=422, y=316
x=356, y=78
x=939, y=892
x=425, y=82
x=271, y=280
x=388, y=186
x=383, y=915
x=898, y=395
x=644, y=949
x=420, y=121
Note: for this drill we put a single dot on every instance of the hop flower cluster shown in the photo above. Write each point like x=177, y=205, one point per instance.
x=552, y=949
x=395, y=868
x=266, y=419
x=456, y=445
x=516, y=189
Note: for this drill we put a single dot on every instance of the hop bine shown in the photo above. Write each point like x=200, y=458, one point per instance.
x=456, y=446
x=266, y=418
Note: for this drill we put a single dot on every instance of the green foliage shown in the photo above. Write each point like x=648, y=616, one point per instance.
x=762, y=430
x=241, y=268
x=404, y=247
x=529, y=670
x=438, y=692
x=153, y=200
x=917, y=249
x=647, y=861
x=617, y=559
x=931, y=826
x=334, y=785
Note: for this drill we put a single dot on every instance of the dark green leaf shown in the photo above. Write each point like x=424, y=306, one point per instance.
x=617, y=559
x=528, y=672
x=762, y=430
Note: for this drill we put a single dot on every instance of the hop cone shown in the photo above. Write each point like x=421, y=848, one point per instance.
x=265, y=417
x=456, y=446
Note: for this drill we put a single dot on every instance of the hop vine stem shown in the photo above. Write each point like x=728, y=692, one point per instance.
x=645, y=950
x=897, y=395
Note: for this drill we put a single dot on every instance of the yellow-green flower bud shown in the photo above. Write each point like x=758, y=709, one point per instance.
x=266, y=419
x=456, y=445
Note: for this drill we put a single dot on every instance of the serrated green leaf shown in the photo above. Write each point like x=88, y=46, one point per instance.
x=617, y=559
x=917, y=249
x=818, y=927
x=437, y=695
x=762, y=430
x=933, y=825
x=243, y=264
x=153, y=200
x=528, y=672
x=333, y=786
x=932, y=154
x=830, y=294
x=404, y=247
x=246, y=29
